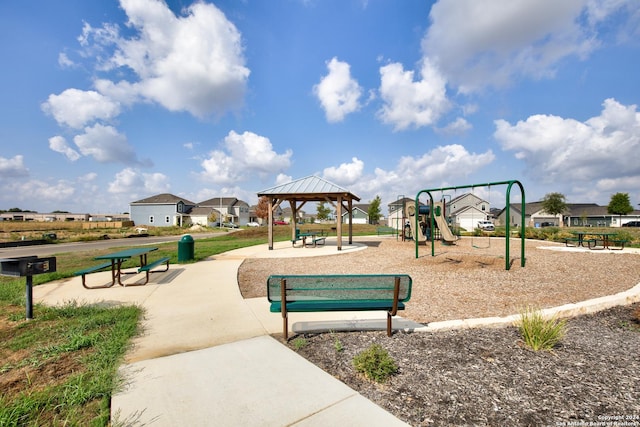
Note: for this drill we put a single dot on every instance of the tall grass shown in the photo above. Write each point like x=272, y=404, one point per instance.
x=538, y=332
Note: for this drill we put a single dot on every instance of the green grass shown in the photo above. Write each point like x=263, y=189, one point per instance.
x=538, y=332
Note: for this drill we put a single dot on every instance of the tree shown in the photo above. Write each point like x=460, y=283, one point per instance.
x=620, y=204
x=262, y=209
x=554, y=203
x=374, y=210
x=323, y=211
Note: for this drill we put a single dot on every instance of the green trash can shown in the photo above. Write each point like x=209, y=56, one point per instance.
x=185, y=248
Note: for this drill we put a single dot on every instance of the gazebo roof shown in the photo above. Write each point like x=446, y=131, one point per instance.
x=308, y=189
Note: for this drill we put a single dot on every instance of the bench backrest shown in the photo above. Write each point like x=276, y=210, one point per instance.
x=338, y=286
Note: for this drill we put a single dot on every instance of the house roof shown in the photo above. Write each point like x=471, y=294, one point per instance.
x=312, y=188
x=573, y=209
x=217, y=201
x=162, y=199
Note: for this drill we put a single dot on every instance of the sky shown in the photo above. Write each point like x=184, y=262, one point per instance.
x=105, y=103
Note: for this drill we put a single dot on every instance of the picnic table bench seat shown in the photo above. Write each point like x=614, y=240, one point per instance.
x=147, y=268
x=318, y=241
x=613, y=244
x=321, y=293
x=575, y=240
x=93, y=269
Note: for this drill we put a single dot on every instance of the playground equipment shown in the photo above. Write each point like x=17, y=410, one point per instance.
x=422, y=232
x=433, y=218
x=417, y=231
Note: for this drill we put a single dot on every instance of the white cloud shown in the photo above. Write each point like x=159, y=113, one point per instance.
x=105, y=144
x=442, y=164
x=338, y=92
x=435, y=168
x=13, y=168
x=132, y=182
x=64, y=61
x=44, y=192
x=59, y=145
x=409, y=103
x=346, y=173
x=456, y=127
x=190, y=63
x=479, y=44
x=563, y=150
x=246, y=154
x=283, y=179
x=76, y=108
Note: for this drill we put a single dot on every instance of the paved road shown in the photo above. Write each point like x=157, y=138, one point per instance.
x=56, y=248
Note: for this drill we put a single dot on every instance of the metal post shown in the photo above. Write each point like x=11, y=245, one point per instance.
x=29, y=292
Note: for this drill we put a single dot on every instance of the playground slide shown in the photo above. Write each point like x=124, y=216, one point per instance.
x=410, y=211
x=445, y=231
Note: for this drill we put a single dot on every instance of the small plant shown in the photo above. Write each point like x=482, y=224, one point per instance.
x=540, y=333
x=375, y=363
x=299, y=343
x=337, y=344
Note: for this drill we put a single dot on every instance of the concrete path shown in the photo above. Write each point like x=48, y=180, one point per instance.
x=205, y=356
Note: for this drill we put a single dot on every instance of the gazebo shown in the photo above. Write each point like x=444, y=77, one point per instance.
x=310, y=189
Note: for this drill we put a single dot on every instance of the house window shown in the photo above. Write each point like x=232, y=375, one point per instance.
x=180, y=207
x=151, y=219
x=484, y=208
x=167, y=219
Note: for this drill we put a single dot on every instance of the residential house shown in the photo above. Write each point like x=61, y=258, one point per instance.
x=467, y=210
x=203, y=215
x=360, y=214
x=286, y=214
x=396, y=218
x=575, y=215
x=229, y=208
x=162, y=210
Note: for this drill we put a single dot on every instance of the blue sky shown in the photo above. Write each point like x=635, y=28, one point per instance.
x=104, y=103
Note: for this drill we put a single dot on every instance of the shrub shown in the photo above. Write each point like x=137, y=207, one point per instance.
x=540, y=333
x=375, y=363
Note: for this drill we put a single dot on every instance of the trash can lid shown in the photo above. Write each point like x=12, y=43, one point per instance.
x=186, y=238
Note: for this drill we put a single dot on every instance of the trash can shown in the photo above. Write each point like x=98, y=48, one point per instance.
x=185, y=248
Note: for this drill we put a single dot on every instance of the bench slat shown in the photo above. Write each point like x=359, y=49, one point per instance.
x=334, y=305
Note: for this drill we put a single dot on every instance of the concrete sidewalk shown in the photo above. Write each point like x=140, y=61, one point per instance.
x=205, y=356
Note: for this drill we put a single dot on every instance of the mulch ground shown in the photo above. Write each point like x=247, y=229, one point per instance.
x=488, y=377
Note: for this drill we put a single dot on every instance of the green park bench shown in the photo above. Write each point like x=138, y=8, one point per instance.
x=386, y=230
x=319, y=293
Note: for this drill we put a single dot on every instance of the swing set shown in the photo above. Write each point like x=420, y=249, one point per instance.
x=509, y=184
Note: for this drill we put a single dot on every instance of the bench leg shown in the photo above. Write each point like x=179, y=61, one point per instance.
x=84, y=284
x=389, y=333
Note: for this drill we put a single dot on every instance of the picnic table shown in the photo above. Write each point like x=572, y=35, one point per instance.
x=303, y=235
x=592, y=238
x=115, y=261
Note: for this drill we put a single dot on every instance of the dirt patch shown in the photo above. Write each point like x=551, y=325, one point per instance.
x=487, y=377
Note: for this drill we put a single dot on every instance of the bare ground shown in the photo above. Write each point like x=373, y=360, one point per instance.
x=487, y=376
